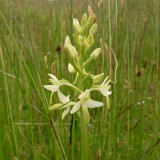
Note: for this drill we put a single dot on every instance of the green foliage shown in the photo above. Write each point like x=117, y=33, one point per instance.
x=31, y=41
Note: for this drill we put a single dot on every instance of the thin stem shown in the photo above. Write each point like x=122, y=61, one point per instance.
x=84, y=134
x=89, y=60
x=84, y=138
x=78, y=69
x=58, y=138
x=8, y=102
x=73, y=138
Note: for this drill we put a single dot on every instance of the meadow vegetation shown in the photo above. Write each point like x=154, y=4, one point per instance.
x=32, y=35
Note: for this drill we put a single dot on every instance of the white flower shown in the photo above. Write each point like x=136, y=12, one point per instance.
x=65, y=103
x=85, y=102
x=55, y=83
x=104, y=89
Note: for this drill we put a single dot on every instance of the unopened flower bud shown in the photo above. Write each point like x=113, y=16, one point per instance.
x=90, y=20
x=72, y=51
x=89, y=41
x=93, y=29
x=67, y=41
x=55, y=106
x=88, y=25
x=79, y=40
x=77, y=27
x=86, y=44
x=98, y=78
x=71, y=68
x=84, y=19
x=95, y=53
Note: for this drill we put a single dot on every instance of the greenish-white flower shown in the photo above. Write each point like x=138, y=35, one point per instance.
x=85, y=102
x=103, y=87
x=54, y=87
x=65, y=103
x=56, y=84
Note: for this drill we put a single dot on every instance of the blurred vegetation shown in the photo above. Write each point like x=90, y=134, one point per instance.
x=32, y=34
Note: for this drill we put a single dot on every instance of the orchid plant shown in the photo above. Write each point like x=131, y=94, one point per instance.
x=78, y=51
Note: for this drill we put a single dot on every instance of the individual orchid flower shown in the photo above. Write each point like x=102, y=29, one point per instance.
x=85, y=102
x=104, y=89
x=65, y=103
x=56, y=84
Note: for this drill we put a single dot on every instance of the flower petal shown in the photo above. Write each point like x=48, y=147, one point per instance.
x=93, y=104
x=64, y=99
x=52, y=88
x=55, y=106
x=66, y=111
x=53, y=77
x=75, y=107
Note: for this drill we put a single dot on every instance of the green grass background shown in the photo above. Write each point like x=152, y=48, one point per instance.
x=31, y=30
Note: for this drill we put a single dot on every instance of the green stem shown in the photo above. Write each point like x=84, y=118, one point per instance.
x=77, y=68
x=73, y=139
x=84, y=134
x=84, y=138
x=58, y=138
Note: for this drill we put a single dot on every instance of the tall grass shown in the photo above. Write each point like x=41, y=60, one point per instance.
x=30, y=32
